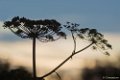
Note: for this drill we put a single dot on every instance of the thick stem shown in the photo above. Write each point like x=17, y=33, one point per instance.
x=34, y=58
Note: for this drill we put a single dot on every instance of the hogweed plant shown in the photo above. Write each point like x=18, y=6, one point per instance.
x=51, y=30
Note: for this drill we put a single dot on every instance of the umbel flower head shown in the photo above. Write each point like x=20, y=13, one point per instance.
x=92, y=35
x=44, y=30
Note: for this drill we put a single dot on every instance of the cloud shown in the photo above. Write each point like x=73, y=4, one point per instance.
x=49, y=50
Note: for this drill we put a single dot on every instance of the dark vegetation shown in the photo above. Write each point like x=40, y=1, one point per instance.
x=110, y=71
x=98, y=73
x=18, y=73
x=101, y=73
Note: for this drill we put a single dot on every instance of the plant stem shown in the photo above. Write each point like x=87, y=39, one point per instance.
x=34, y=58
x=66, y=61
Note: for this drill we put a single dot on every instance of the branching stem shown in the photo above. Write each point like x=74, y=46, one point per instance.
x=52, y=71
x=74, y=39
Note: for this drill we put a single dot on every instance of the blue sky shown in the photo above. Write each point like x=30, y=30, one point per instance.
x=103, y=15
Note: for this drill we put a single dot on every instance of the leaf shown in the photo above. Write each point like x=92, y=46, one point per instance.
x=93, y=31
x=67, y=22
x=104, y=41
x=68, y=26
x=7, y=24
x=94, y=48
x=65, y=25
x=107, y=53
x=77, y=25
x=109, y=46
x=15, y=19
x=61, y=34
x=101, y=35
x=23, y=19
x=80, y=36
x=50, y=37
x=84, y=30
x=102, y=47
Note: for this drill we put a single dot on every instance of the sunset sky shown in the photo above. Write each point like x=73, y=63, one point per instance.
x=103, y=15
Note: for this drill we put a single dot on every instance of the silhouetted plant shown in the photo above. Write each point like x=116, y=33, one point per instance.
x=51, y=30
x=97, y=40
x=43, y=30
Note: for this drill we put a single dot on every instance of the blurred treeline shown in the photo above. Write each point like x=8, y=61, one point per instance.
x=101, y=71
x=9, y=73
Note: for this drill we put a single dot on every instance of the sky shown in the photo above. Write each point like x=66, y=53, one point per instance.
x=103, y=15
x=100, y=14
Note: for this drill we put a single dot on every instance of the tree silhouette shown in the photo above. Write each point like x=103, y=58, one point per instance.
x=51, y=30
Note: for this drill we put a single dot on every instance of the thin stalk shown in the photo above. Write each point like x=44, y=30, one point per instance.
x=65, y=61
x=74, y=39
x=34, y=58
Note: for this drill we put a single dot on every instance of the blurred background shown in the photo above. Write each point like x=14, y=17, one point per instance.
x=103, y=15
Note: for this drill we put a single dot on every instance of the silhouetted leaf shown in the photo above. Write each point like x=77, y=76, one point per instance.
x=80, y=36
x=15, y=19
x=94, y=47
x=109, y=46
x=101, y=35
x=104, y=41
x=93, y=32
x=23, y=19
x=61, y=34
x=84, y=30
x=50, y=37
x=7, y=24
x=106, y=53
x=68, y=22
x=103, y=47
